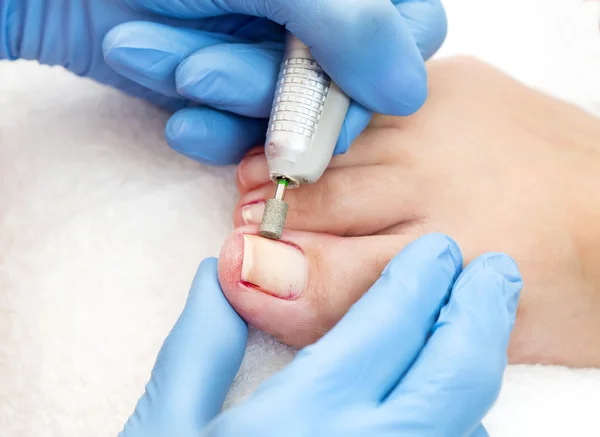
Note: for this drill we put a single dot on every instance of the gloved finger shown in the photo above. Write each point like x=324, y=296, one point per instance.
x=427, y=23
x=196, y=364
x=252, y=29
x=170, y=104
x=458, y=374
x=357, y=119
x=214, y=137
x=373, y=56
x=238, y=78
x=149, y=53
x=378, y=339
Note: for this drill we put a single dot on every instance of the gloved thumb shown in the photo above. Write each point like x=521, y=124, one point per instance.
x=195, y=366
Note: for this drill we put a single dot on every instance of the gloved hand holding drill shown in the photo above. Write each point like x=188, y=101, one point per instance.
x=215, y=63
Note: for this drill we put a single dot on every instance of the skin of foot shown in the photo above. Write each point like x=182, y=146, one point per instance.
x=488, y=161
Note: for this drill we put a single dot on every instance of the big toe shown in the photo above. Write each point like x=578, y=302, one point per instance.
x=299, y=287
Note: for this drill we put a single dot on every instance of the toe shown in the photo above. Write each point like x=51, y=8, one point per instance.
x=370, y=149
x=252, y=170
x=348, y=201
x=299, y=287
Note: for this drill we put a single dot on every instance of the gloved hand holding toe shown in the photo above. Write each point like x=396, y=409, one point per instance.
x=421, y=354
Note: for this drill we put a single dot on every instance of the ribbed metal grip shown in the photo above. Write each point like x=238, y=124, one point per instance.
x=301, y=92
x=307, y=116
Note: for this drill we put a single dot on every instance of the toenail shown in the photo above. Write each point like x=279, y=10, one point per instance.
x=253, y=213
x=253, y=171
x=274, y=267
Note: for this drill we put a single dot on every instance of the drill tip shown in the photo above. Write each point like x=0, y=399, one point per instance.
x=282, y=185
x=275, y=213
x=273, y=219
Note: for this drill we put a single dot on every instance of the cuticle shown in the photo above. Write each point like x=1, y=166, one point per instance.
x=289, y=243
x=255, y=202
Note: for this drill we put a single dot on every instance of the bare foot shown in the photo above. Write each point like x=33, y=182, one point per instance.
x=493, y=164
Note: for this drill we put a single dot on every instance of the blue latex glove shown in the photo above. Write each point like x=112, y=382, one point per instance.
x=196, y=364
x=230, y=52
x=374, y=50
x=421, y=354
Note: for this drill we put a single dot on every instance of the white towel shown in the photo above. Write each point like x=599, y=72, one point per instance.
x=102, y=227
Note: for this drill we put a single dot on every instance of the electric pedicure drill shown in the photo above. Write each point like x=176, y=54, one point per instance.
x=307, y=116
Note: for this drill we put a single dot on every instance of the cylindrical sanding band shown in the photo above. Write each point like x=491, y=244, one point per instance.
x=273, y=219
